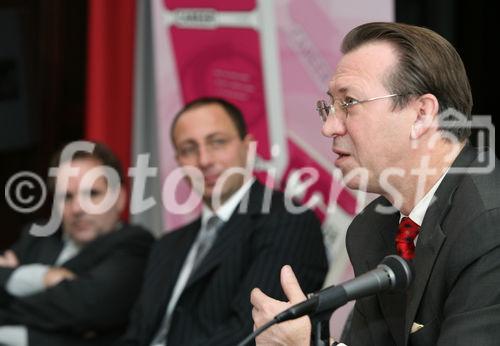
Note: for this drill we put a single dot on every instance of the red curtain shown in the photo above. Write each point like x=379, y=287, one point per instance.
x=110, y=72
x=110, y=75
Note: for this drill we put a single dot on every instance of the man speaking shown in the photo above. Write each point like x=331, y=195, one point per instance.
x=398, y=111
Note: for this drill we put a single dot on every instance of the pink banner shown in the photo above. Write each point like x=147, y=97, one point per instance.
x=219, y=5
x=225, y=62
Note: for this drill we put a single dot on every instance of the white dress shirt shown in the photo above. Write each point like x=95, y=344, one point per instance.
x=224, y=213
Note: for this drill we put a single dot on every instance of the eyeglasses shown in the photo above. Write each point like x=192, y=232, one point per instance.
x=190, y=149
x=325, y=108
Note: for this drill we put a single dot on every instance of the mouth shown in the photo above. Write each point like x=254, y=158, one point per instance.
x=80, y=225
x=211, y=179
x=342, y=155
x=340, y=152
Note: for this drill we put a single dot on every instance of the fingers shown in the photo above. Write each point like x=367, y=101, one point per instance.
x=67, y=274
x=57, y=274
x=259, y=315
x=261, y=301
x=11, y=258
x=257, y=297
x=265, y=307
x=291, y=285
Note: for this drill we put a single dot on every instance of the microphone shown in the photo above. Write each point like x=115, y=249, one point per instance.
x=393, y=273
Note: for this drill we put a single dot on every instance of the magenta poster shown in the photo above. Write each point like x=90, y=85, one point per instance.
x=273, y=59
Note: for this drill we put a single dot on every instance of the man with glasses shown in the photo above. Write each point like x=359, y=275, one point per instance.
x=399, y=113
x=196, y=290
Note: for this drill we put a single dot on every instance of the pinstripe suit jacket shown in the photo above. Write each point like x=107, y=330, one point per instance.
x=454, y=296
x=251, y=248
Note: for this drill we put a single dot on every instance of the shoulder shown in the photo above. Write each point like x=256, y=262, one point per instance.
x=128, y=237
x=476, y=197
x=26, y=235
x=265, y=201
x=28, y=244
x=485, y=186
x=177, y=235
x=374, y=213
x=134, y=231
x=473, y=217
x=128, y=233
x=476, y=179
x=180, y=231
x=273, y=217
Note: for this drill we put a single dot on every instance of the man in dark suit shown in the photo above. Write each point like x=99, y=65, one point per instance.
x=399, y=118
x=198, y=294
x=76, y=286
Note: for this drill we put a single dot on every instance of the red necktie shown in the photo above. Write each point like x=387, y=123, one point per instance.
x=408, y=231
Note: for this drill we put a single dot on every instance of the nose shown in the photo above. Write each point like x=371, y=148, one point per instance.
x=333, y=126
x=76, y=205
x=205, y=156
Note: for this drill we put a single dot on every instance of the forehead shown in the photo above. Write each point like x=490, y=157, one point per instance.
x=75, y=172
x=363, y=70
x=202, y=121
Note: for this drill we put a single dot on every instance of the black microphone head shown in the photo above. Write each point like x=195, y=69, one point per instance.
x=399, y=271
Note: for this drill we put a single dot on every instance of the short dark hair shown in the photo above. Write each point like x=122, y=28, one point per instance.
x=101, y=154
x=427, y=63
x=234, y=113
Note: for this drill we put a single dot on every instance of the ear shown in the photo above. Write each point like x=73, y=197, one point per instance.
x=122, y=200
x=427, y=108
x=248, y=138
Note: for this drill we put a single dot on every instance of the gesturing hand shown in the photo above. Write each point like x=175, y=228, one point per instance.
x=295, y=332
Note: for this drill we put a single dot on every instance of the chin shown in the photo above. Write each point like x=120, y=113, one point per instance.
x=83, y=237
x=353, y=185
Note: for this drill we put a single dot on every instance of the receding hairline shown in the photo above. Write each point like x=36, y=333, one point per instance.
x=196, y=107
x=385, y=72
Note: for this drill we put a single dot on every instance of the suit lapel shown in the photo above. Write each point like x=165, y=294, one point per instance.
x=51, y=249
x=432, y=236
x=174, y=251
x=430, y=240
x=230, y=233
x=392, y=304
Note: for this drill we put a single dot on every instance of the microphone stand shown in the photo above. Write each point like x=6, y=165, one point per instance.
x=319, y=322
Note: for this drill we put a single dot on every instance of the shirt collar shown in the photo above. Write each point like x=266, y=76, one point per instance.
x=418, y=212
x=226, y=210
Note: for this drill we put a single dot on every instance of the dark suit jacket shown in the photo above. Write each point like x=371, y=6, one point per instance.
x=251, y=248
x=455, y=294
x=90, y=310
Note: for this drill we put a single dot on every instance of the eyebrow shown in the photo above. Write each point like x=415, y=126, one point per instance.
x=342, y=90
x=187, y=141
x=207, y=137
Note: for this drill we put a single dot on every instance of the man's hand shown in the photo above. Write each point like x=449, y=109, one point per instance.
x=9, y=260
x=57, y=274
x=296, y=332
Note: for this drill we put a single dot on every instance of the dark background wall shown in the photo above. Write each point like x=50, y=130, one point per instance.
x=471, y=26
x=43, y=66
x=42, y=83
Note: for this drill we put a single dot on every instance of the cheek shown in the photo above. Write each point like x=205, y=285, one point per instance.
x=229, y=158
x=362, y=140
x=103, y=221
x=66, y=212
x=185, y=162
